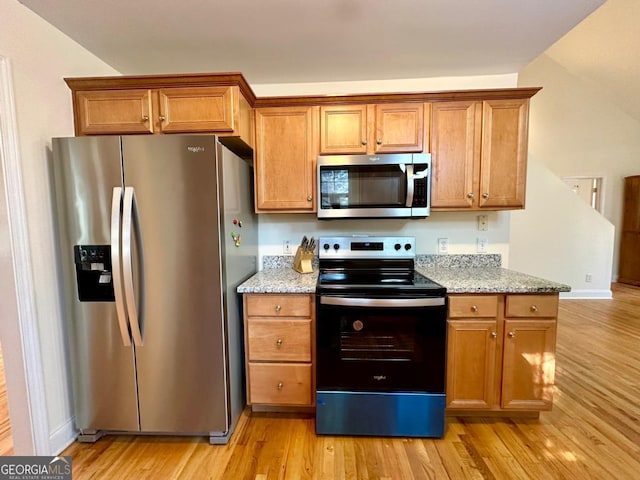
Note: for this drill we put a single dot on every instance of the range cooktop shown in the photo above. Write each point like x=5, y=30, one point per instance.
x=368, y=265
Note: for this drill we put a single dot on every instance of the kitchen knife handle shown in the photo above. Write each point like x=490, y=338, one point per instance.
x=128, y=212
x=116, y=267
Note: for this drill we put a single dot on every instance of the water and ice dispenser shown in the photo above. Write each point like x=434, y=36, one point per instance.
x=93, y=273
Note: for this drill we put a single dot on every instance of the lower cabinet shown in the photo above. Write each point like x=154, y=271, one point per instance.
x=501, y=352
x=279, y=349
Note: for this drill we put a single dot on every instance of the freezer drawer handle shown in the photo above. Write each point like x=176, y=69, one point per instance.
x=128, y=212
x=116, y=204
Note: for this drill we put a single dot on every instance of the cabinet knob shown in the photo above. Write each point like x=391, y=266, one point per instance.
x=145, y=118
x=470, y=195
x=280, y=386
x=485, y=195
x=364, y=142
x=162, y=118
x=494, y=334
x=379, y=142
x=309, y=198
x=474, y=308
x=278, y=308
x=279, y=342
x=534, y=308
x=512, y=334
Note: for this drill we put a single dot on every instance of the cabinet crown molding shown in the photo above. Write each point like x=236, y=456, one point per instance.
x=236, y=78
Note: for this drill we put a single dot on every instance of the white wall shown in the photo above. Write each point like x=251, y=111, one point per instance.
x=40, y=57
x=559, y=237
x=575, y=130
x=459, y=227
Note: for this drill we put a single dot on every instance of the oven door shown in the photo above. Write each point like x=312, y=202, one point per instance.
x=381, y=344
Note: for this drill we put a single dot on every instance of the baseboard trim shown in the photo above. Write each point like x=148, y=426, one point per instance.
x=62, y=437
x=587, y=295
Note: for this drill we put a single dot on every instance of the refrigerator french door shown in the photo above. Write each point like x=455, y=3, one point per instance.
x=150, y=281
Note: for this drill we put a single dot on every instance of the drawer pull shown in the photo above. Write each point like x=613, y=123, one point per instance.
x=534, y=308
x=512, y=334
x=278, y=308
x=280, y=385
x=279, y=342
x=474, y=308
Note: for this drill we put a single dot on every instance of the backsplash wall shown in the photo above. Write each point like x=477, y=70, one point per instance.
x=461, y=228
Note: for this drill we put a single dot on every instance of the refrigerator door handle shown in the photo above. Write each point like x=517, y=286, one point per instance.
x=116, y=205
x=128, y=212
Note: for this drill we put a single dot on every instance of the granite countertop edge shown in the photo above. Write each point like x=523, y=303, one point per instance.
x=455, y=279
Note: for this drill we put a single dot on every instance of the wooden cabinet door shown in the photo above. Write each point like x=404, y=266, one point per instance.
x=196, y=109
x=471, y=357
x=528, y=364
x=399, y=128
x=285, y=156
x=455, y=154
x=111, y=112
x=504, y=153
x=343, y=129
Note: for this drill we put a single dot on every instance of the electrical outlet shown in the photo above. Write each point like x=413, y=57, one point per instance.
x=443, y=245
x=483, y=223
x=286, y=247
x=481, y=244
x=588, y=278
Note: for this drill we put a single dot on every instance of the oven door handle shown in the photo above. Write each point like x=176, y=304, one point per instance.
x=382, y=302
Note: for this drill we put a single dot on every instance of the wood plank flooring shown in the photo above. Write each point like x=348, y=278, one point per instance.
x=593, y=431
x=6, y=442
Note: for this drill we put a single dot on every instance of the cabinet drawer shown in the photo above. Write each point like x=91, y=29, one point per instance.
x=278, y=305
x=473, y=306
x=280, y=384
x=285, y=340
x=532, y=306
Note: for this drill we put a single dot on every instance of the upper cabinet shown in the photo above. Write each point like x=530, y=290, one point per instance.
x=477, y=138
x=479, y=154
x=285, y=159
x=168, y=104
x=370, y=129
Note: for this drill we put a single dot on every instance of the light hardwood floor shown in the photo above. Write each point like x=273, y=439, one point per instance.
x=593, y=431
x=6, y=442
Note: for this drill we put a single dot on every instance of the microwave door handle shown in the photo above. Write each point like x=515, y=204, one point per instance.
x=410, y=184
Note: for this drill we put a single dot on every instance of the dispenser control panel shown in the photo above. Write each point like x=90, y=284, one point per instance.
x=93, y=273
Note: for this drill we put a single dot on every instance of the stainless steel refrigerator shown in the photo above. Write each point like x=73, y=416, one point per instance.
x=155, y=233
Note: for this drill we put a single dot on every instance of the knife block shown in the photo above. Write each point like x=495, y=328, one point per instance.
x=303, y=261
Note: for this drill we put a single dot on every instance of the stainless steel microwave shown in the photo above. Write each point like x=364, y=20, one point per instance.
x=374, y=186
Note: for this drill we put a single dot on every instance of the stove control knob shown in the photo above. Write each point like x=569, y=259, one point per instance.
x=407, y=246
x=325, y=246
x=336, y=246
x=397, y=246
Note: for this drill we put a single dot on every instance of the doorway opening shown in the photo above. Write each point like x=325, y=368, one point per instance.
x=588, y=189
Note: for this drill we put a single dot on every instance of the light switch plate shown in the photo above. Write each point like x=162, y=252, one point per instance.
x=483, y=223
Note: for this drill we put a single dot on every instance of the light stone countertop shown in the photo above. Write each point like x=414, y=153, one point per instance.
x=490, y=280
x=455, y=279
x=280, y=280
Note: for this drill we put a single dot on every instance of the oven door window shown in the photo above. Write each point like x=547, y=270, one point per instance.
x=357, y=186
x=381, y=349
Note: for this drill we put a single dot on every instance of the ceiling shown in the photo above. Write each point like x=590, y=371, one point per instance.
x=289, y=41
